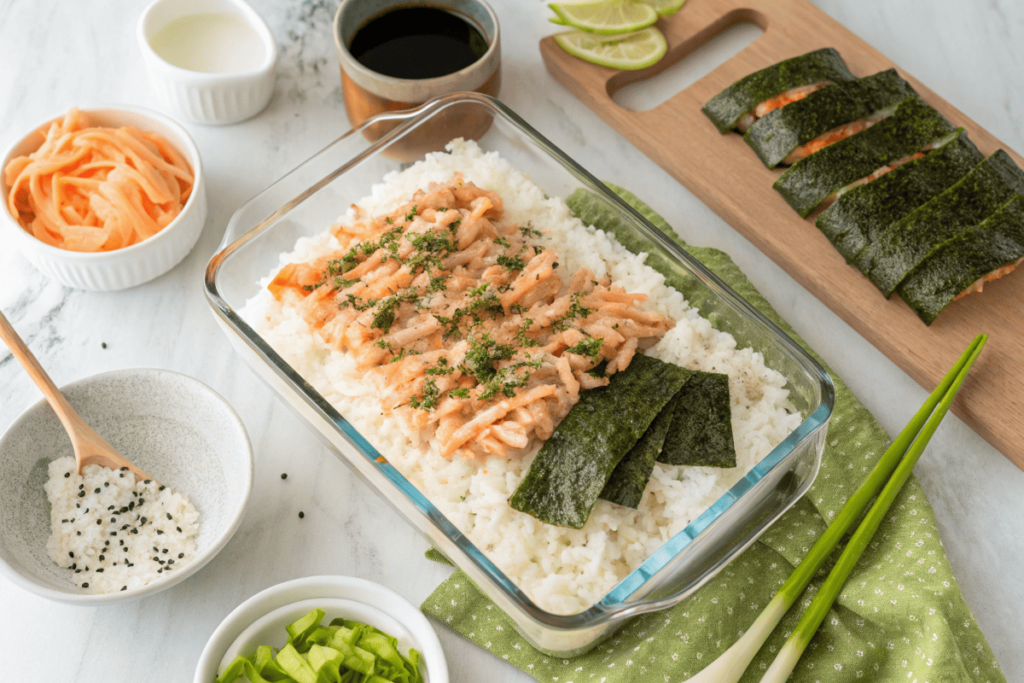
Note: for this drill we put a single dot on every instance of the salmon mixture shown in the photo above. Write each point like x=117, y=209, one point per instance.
x=464, y=322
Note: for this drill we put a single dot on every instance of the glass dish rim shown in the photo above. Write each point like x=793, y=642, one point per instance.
x=616, y=602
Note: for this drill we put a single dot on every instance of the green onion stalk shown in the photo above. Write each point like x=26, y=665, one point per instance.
x=731, y=664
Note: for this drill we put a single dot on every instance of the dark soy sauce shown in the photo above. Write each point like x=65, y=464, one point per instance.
x=417, y=42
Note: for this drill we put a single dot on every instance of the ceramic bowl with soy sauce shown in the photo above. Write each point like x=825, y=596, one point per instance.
x=396, y=55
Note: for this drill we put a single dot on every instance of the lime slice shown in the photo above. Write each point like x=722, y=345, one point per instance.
x=665, y=8
x=606, y=17
x=636, y=50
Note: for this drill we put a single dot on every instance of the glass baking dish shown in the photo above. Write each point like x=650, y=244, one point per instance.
x=310, y=198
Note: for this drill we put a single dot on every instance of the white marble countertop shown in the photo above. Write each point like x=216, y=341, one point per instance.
x=57, y=54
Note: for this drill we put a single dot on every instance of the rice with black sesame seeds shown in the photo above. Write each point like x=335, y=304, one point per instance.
x=75, y=533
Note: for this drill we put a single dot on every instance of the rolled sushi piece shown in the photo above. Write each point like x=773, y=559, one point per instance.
x=860, y=215
x=775, y=86
x=964, y=263
x=828, y=115
x=810, y=182
x=907, y=242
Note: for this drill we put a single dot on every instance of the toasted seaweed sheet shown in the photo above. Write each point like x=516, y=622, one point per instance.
x=860, y=215
x=960, y=261
x=808, y=182
x=701, y=431
x=774, y=136
x=575, y=463
x=726, y=108
x=629, y=479
x=906, y=243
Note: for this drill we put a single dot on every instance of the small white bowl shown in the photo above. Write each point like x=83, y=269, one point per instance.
x=121, y=268
x=211, y=98
x=261, y=619
x=173, y=427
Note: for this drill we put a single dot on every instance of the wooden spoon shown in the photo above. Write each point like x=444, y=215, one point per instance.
x=90, y=448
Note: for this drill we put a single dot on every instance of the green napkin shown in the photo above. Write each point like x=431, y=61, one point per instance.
x=900, y=617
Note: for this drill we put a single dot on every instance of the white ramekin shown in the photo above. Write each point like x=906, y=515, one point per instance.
x=261, y=619
x=208, y=97
x=122, y=268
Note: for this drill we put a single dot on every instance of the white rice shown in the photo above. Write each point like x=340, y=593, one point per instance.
x=114, y=533
x=563, y=570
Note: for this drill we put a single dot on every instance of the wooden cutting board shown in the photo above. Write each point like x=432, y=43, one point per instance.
x=727, y=176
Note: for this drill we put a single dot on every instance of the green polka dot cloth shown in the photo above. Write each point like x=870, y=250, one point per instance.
x=900, y=617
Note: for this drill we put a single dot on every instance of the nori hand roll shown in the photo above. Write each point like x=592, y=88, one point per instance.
x=726, y=108
x=959, y=262
x=974, y=198
x=862, y=213
x=810, y=181
x=701, y=431
x=775, y=135
x=574, y=464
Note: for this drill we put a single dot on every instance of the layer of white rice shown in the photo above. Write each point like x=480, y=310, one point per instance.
x=563, y=570
x=113, y=533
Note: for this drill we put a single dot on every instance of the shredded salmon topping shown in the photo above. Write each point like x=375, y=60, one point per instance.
x=465, y=321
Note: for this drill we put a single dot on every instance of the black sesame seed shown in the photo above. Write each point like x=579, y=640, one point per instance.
x=96, y=490
x=159, y=571
x=124, y=588
x=131, y=505
x=121, y=475
x=106, y=542
x=148, y=481
x=156, y=559
x=78, y=571
x=120, y=542
x=100, y=570
x=301, y=514
x=110, y=507
x=113, y=519
x=170, y=561
x=81, y=486
x=141, y=501
x=87, y=510
x=74, y=565
x=135, y=531
x=142, y=520
x=70, y=554
x=106, y=484
x=81, y=494
x=79, y=533
x=85, y=585
x=179, y=529
x=63, y=521
x=103, y=345
x=181, y=555
x=67, y=474
x=102, y=557
x=169, y=516
x=162, y=487
x=164, y=551
x=124, y=469
x=99, y=521
x=78, y=505
x=284, y=475
x=159, y=532
x=113, y=533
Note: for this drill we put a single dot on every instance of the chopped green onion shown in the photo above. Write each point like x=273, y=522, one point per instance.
x=341, y=652
x=731, y=664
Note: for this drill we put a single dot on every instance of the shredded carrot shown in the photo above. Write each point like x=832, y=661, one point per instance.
x=97, y=189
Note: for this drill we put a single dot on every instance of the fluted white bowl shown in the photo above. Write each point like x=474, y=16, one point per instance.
x=211, y=98
x=121, y=268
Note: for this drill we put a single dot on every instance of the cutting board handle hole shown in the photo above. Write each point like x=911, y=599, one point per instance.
x=686, y=63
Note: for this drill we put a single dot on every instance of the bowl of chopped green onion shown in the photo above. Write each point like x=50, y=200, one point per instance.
x=324, y=628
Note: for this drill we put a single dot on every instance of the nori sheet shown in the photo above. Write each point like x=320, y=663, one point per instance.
x=862, y=213
x=958, y=262
x=726, y=108
x=906, y=243
x=701, y=431
x=629, y=479
x=779, y=132
x=808, y=182
x=575, y=463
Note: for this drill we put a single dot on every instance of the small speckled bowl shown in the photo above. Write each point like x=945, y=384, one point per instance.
x=173, y=427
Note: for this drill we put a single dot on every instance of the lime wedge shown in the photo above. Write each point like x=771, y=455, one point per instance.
x=606, y=17
x=665, y=8
x=557, y=20
x=636, y=50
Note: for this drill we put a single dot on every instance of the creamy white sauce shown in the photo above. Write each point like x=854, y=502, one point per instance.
x=210, y=43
